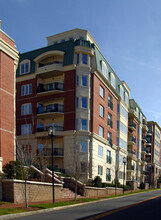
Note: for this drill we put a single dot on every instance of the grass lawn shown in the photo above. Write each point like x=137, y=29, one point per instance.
x=10, y=211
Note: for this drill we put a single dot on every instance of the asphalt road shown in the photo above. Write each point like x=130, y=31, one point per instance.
x=138, y=206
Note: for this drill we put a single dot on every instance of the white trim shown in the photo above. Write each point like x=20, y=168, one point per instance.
x=7, y=131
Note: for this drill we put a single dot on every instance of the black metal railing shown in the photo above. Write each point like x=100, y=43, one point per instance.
x=50, y=87
x=46, y=152
x=57, y=128
x=131, y=138
x=50, y=63
x=132, y=124
x=50, y=108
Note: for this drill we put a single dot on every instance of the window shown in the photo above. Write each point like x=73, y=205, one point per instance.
x=110, y=120
x=77, y=58
x=84, y=58
x=77, y=80
x=26, y=89
x=109, y=138
x=118, y=107
x=113, y=81
x=101, y=131
x=123, y=112
x=84, y=124
x=84, y=102
x=24, y=67
x=100, y=170
x=104, y=70
x=102, y=92
x=84, y=80
x=126, y=99
x=101, y=111
x=121, y=175
x=123, y=144
x=121, y=92
x=83, y=167
x=77, y=104
x=109, y=159
x=100, y=151
x=120, y=159
x=26, y=109
x=26, y=129
x=110, y=102
x=123, y=128
x=83, y=146
x=108, y=174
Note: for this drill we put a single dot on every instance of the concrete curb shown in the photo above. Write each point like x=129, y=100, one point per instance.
x=23, y=214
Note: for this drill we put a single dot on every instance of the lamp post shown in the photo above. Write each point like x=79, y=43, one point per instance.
x=124, y=161
x=51, y=133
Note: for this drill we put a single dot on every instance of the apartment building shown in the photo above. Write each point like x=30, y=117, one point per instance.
x=137, y=129
x=8, y=64
x=69, y=85
x=153, y=168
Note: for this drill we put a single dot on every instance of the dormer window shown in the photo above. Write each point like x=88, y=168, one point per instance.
x=121, y=92
x=126, y=99
x=24, y=67
x=104, y=70
x=113, y=80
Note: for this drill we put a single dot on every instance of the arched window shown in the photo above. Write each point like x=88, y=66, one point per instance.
x=121, y=92
x=126, y=99
x=104, y=70
x=113, y=80
x=24, y=67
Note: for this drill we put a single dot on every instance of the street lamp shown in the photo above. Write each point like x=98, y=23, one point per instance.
x=51, y=132
x=124, y=161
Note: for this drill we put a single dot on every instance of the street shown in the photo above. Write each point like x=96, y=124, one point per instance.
x=138, y=206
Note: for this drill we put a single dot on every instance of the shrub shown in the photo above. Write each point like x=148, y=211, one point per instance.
x=127, y=188
x=97, y=182
x=14, y=170
x=142, y=185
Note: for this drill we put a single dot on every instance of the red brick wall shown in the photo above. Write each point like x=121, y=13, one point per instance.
x=69, y=102
x=98, y=100
x=6, y=107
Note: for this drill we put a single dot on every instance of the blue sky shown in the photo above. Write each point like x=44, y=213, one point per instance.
x=128, y=33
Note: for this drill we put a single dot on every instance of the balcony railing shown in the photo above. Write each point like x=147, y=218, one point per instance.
x=46, y=152
x=144, y=149
x=109, y=141
x=109, y=159
x=57, y=128
x=50, y=108
x=50, y=87
x=144, y=138
x=108, y=177
x=110, y=104
x=133, y=125
x=130, y=167
x=110, y=122
x=132, y=139
x=50, y=63
x=132, y=152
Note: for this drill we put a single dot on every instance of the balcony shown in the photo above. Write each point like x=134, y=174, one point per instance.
x=132, y=126
x=148, y=143
x=143, y=150
x=144, y=139
x=130, y=167
x=51, y=87
x=46, y=152
x=145, y=128
x=131, y=153
x=55, y=110
x=110, y=123
x=109, y=141
x=110, y=104
x=109, y=159
x=143, y=172
x=131, y=140
x=132, y=113
x=43, y=131
x=49, y=68
x=149, y=133
x=108, y=177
